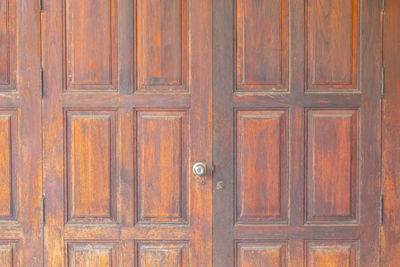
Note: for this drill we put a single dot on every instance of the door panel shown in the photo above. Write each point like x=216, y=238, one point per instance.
x=125, y=119
x=296, y=133
x=20, y=135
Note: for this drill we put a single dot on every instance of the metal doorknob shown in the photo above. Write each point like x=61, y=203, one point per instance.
x=199, y=169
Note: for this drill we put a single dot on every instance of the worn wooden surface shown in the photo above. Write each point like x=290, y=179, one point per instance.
x=296, y=132
x=125, y=118
x=390, y=238
x=20, y=135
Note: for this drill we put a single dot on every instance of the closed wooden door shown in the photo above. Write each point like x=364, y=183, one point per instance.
x=126, y=115
x=296, y=133
x=20, y=135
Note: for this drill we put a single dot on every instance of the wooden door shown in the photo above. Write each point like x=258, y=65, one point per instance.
x=296, y=132
x=20, y=135
x=126, y=114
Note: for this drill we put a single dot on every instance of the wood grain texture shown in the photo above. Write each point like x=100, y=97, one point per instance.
x=91, y=165
x=180, y=109
x=262, y=166
x=332, y=44
x=162, y=139
x=332, y=165
x=262, y=45
x=162, y=46
x=160, y=254
x=96, y=255
x=331, y=253
x=8, y=134
x=7, y=44
x=390, y=239
x=91, y=49
x=261, y=254
x=347, y=142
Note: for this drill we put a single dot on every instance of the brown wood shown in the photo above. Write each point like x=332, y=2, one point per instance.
x=21, y=242
x=390, y=250
x=296, y=133
x=125, y=117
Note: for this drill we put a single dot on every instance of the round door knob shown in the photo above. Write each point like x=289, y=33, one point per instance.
x=199, y=169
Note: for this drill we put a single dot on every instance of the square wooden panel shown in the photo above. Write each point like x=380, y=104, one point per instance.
x=91, y=165
x=162, y=158
x=8, y=152
x=83, y=254
x=327, y=253
x=261, y=166
x=261, y=253
x=90, y=45
x=7, y=44
x=331, y=44
x=162, y=253
x=262, y=45
x=162, y=45
x=332, y=165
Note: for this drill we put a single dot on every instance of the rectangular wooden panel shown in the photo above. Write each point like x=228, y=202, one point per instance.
x=7, y=44
x=332, y=165
x=91, y=165
x=332, y=44
x=7, y=255
x=8, y=136
x=162, y=166
x=331, y=253
x=259, y=254
x=162, y=46
x=91, y=254
x=91, y=44
x=262, y=44
x=163, y=254
x=261, y=160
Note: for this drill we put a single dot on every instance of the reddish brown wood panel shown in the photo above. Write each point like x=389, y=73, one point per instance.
x=90, y=44
x=8, y=254
x=160, y=254
x=91, y=254
x=262, y=45
x=8, y=134
x=124, y=130
x=91, y=165
x=262, y=166
x=162, y=45
x=162, y=140
x=21, y=228
x=332, y=253
x=261, y=254
x=390, y=239
x=332, y=44
x=329, y=152
x=332, y=165
x=7, y=44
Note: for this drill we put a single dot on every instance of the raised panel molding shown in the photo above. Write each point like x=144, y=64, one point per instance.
x=91, y=165
x=7, y=44
x=260, y=254
x=161, y=254
x=91, y=49
x=332, y=166
x=162, y=45
x=91, y=254
x=162, y=151
x=8, y=136
x=262, y=169
x=332, y=44
x=8, y=253
x=327, y=253
x=262, y=45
